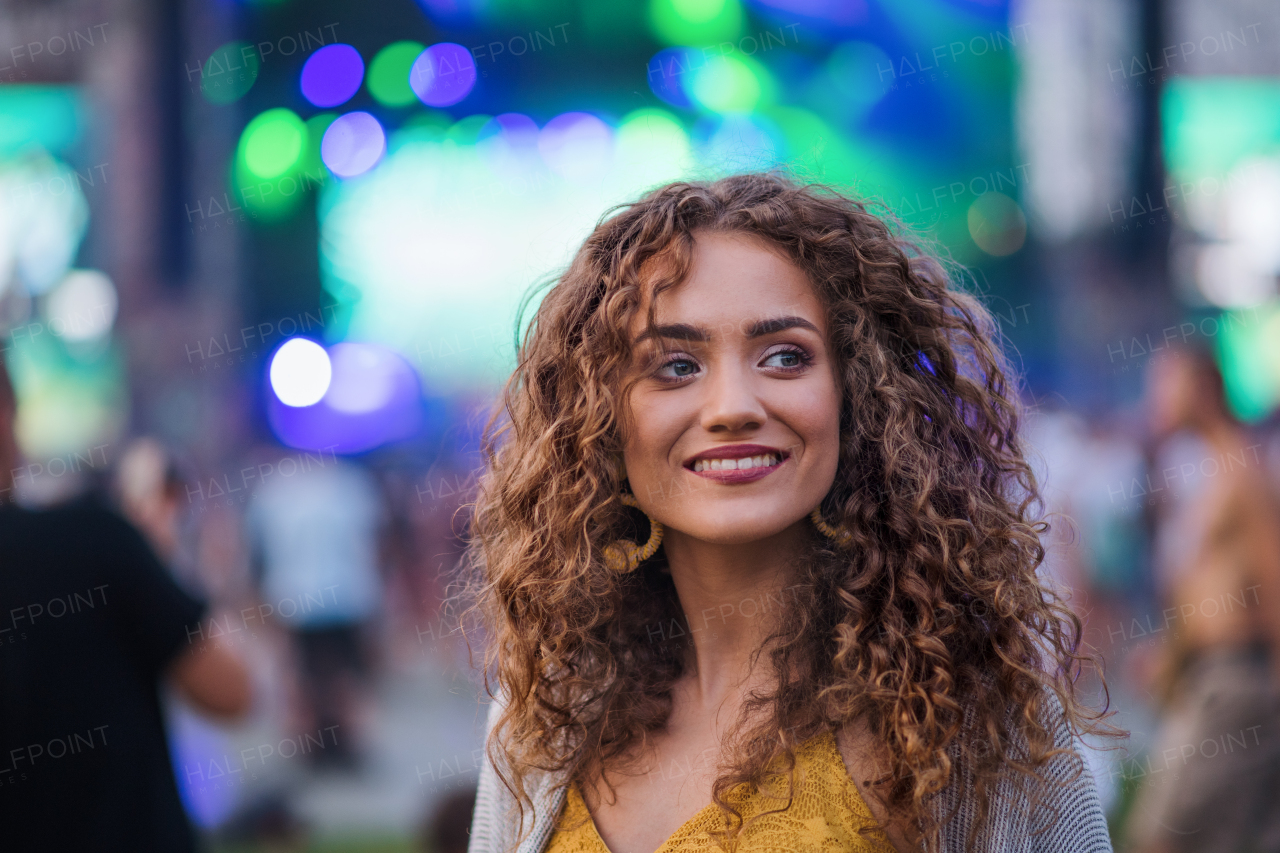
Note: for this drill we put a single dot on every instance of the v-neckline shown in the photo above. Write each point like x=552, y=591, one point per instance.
x=661, y=847
x=679, y=829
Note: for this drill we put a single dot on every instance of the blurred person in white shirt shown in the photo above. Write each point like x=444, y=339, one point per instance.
x=314, y=531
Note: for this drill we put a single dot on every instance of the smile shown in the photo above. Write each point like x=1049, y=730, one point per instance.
x=738, y=463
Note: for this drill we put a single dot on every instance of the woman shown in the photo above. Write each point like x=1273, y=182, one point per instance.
x=832, y=636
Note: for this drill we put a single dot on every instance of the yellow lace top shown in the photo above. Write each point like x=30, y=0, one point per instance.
x=825, y=816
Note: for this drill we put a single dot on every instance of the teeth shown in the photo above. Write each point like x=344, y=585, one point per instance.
x=744, y=464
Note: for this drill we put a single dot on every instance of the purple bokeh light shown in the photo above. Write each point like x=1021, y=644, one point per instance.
x=353, y=144
x=443, y=74
x=375, y=398
x=577, y=146
x=332, y=75
x=509, y=143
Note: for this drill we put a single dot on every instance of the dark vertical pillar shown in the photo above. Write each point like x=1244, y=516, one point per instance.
x=1153, y=244
x=171, y=243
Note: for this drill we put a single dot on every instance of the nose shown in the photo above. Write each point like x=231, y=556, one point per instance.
x=732, y=403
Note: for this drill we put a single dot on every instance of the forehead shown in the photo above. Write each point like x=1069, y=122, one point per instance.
x=732, y=277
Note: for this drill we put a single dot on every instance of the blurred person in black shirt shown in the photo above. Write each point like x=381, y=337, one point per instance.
x=91, y=623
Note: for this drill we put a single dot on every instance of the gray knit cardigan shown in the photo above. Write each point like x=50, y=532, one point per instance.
x=1072, y=812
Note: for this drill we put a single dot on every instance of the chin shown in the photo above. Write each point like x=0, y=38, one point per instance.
x=743, y=530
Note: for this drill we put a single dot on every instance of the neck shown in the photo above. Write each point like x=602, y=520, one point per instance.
x=731, y=596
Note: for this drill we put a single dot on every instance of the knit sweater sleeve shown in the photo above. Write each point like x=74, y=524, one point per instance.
x=1067, y=815
x=486, y=823
x=1075, y=818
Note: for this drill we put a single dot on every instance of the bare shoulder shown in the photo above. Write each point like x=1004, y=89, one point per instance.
x=864, y=762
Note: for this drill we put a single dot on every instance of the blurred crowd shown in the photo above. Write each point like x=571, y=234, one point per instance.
x=296, y=635
x=316, y=665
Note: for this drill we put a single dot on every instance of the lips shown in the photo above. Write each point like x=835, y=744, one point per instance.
x=737, y=463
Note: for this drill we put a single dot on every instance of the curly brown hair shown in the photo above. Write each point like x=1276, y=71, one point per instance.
x=929, y=627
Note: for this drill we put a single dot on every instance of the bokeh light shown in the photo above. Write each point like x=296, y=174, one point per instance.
x=1248, y=344
x=997, y=224
x=651, y=144
x=353, y=144
x=229, y=72
x=730, y=84
x=272, y=143
x=388, y=78
x=374, y=397
x=577, y=146
x=695, y=22
x=443, y=74
x=43, y=217
x=509, y=144
x=668, y=73
x=859, y=72
x=332, y=75
x=739, y=143
x=82, y=307
x=300, y=372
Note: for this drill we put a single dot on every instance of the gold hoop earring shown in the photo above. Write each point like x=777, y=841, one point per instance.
x=624, y=555
x=840, y=536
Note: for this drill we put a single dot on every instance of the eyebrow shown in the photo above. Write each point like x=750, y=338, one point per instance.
x=759, y=328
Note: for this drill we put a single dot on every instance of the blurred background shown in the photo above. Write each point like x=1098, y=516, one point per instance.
x=266, y=260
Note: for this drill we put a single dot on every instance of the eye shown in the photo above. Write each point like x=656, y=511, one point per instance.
x=678, y=367
x=790, y=359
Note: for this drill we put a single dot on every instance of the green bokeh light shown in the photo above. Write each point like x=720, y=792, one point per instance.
x=1249, y=353
x=277, y=161
x=38, y=115
x=229, y=72
x=732, y=84
x=1211, y=124
x=272, y=144
x=696, y=22
x=66, y=404
x=388, y=78
x=651, y=147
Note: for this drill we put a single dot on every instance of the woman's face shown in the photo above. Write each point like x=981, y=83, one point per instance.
x=735, y=435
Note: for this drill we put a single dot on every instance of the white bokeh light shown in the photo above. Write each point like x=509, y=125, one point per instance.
x=300, y=372
x=82, y=307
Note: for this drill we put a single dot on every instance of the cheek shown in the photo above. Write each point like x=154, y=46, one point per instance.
x=655, y=429
x=814, y=415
